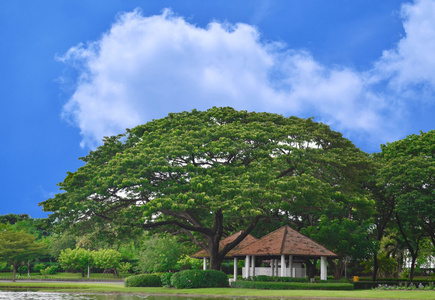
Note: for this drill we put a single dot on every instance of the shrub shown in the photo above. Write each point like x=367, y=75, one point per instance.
x=38, y=267
x=166, y=279
x=264, y=278
x=143, y=280
x=5, y=267
x=199, y=278
x=291, y=285
x=49, y=270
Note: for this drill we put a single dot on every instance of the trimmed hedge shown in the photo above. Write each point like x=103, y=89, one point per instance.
x=143, y=280
x=265, y=278
x=291, y=285
x=189, y=279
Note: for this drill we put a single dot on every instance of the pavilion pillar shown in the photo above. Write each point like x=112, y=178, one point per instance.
x=247, y=266
x=236, y=261
x=253, y=264
x=272, y=266
x=323, y=268
x=204, y=263
x=290, y=265
x=276, y=267
x=283, y=266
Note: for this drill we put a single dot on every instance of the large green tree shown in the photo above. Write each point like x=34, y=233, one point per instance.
x=407, y=175
x=207, y=174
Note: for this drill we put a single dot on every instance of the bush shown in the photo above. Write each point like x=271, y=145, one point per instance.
x=199, y=278
x=264, y=278
x=143, y=280
x=166, y=279
x=49, y=270
x=5, y=267
x=38, y=267
x=291, y=285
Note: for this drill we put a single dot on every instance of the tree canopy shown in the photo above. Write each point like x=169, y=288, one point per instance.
x=407, y=175
x=208, y=174
x=18, y=246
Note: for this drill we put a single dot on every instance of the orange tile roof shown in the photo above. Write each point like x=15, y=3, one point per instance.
x=287, y=241
x=246, y=241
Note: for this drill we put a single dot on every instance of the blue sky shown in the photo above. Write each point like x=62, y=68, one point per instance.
x=74, y=71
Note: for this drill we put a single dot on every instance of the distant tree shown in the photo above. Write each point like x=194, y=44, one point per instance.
x=17, y=247
x=108, y=259
x=407, y=176
x=209, y=174
x=13, y=218
x=78, y=258
x=160, y=254
x=345, y=237
x=383, y=217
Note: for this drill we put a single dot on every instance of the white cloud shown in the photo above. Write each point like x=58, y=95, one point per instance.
x=146, y=67
x=412, y=62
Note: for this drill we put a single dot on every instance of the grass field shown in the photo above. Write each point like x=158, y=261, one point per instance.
x=90, y=287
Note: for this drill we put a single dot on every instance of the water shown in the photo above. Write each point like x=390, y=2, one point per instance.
x=18, y=294
x=32, y=295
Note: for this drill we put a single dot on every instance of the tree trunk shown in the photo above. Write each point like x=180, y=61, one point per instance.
x=28, y=268
x=411, y=273
x=14, y=266
x=311, y=268
x=83, y=272
x=375, y=266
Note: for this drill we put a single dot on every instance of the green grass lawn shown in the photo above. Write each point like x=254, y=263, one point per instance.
x=91, y=287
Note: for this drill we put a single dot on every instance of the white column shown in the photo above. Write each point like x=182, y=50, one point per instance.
x=283, y=266
x=204, y=263
x=236, y=260
x=247, y=266
x=276, y=267
x=272, y=266
x=253, y=264
x=323, y=268
x=290, y=265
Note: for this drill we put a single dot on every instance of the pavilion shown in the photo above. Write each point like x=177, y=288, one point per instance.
x=284, y=249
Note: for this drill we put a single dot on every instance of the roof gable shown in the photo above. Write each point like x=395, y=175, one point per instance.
x=287, y=241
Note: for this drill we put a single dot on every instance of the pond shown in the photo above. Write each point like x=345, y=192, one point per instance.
x=18, y=294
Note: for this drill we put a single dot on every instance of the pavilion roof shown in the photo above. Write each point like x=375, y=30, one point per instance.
x=284, y=241
x=246, y=241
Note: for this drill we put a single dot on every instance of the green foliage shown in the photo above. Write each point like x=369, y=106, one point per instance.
x=186, y=262
x=143, y=280
x=160, y=253
x=107, y=258
x=5, y=267
x=387, y=265
x=13, y=218
x=406, y=175
x=124, y=268
x=290, y=285
x=77, y=258
x=265, y=278
x=49, y=270
x=17, y=247
x=166, y=279
x=222, y=167
x=188, y=279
